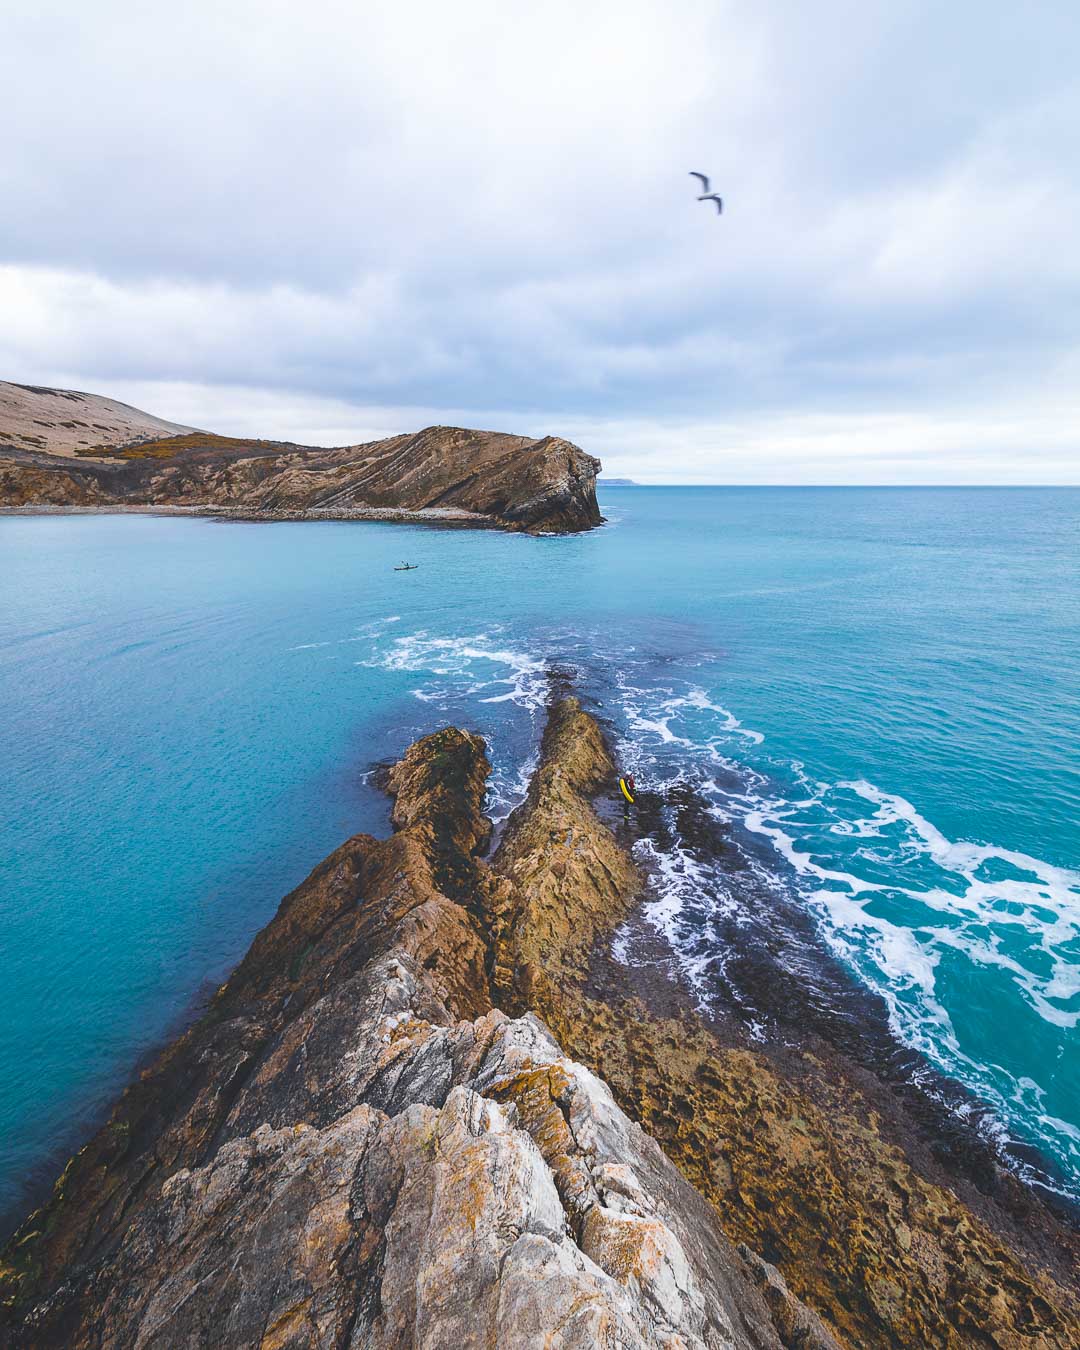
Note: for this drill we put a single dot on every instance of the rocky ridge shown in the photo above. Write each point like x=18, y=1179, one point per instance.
x=413, y=1116
x=447, y=475
x=353, y=1146
x=809, y=1158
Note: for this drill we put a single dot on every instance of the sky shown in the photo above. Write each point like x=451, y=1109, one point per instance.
x=333, y=221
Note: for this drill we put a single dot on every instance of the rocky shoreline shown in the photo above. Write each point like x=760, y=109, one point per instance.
x=426, y=1110
x=434, y=515
x=112, y=457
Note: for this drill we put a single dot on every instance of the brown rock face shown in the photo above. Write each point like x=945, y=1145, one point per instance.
x=371, y=1139
x=443, y=474
x=802, y=1155
x=31, y=485
x=352, y=1147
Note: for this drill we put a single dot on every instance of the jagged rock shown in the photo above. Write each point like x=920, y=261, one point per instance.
x=796, y=1323
x=64, y=448
x=352, y=1147
x=371, y=1138
x=29, y=485
x=806, y=1159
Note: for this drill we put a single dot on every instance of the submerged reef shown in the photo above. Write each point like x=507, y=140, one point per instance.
x=430, y=1109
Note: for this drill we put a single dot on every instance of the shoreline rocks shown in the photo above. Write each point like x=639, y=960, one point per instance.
x=818, y=1165
x=426, y=1110
x=354, y=1147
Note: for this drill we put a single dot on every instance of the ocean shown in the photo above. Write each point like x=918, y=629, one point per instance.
x=869, y=698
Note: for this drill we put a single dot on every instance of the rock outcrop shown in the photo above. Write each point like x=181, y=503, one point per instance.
x=353, y=1147
x=442, y=474
x=810, y=1160
x=413, y=1117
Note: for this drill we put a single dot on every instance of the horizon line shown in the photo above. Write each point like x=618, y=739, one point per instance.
x=853, y=486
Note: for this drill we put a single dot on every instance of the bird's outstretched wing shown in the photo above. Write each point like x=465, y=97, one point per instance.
x=704, y=180
x=712, y=197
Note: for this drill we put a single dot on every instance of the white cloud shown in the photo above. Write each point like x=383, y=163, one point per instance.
x=342, y=212
x=1030, y=441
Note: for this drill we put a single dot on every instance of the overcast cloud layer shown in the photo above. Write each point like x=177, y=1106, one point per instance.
x=329, y=220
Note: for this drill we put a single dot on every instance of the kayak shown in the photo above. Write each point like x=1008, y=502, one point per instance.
x=407, y=567
x=625, y=790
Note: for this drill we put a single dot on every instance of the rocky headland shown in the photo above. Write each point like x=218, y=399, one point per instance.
x=65, y=450
x=430, y=1108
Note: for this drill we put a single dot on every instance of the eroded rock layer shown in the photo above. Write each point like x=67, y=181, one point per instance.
x=353, y=1147
x=413, y=1116
x=62, y=448
x=808, y=1158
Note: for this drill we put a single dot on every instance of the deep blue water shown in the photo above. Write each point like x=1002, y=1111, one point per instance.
x=880, y=687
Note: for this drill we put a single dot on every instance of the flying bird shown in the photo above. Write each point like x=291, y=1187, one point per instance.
x=706, y=195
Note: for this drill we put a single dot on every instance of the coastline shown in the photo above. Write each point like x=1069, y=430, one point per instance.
x=431, y=515
x=440, y=475
x=802, y=1152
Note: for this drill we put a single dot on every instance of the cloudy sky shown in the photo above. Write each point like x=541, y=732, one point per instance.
x=336, y=219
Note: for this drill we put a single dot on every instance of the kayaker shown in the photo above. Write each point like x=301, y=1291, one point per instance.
x=629, y=791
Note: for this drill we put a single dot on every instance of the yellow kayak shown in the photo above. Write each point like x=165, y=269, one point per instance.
x=625, y=790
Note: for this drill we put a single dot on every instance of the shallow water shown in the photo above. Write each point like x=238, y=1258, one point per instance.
x=874, y=692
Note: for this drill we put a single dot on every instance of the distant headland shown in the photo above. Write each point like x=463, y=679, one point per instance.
x=69, y=451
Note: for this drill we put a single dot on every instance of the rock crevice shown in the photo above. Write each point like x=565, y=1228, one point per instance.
x=414, y=1116
x=354, y=1147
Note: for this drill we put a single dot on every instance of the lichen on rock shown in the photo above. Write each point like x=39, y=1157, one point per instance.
x=353, y=1146
x=419, y=1114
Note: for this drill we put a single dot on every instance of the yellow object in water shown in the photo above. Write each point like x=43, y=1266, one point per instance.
x=625, y=790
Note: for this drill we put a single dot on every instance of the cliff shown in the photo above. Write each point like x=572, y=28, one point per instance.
x=413, y=1116
x=60, y=448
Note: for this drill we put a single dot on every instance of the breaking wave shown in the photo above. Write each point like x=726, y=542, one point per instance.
x=491, y=673
x=474, y=675
x=921, y=920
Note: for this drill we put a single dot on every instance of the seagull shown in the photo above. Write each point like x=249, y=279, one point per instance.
x=708, y=196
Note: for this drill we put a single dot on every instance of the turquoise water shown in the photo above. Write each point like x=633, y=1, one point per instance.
x=878, y=689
